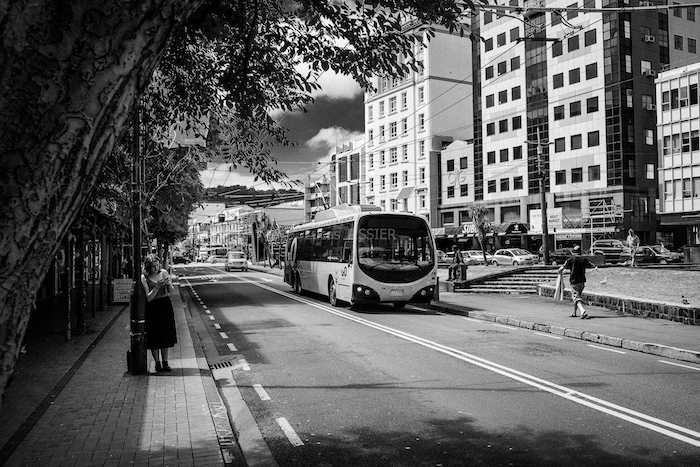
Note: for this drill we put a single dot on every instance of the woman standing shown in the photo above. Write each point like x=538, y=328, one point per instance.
x=160, y=317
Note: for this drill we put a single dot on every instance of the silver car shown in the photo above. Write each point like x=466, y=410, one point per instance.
x=236, y=260
x=513, y=257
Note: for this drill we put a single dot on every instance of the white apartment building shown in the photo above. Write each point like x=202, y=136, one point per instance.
x=679, y=162
x=409, y=121
x=570, y=95
x=348, y=172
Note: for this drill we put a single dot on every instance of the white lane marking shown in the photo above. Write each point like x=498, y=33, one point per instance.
x=242, y=365
x=423, y=309
x=212, y=318
x=548, y=335
x=289, y=432
x=503, y=326
x=232, y=347
x=207, y=311
x=223, y=335
x=473, y=320
x=217, y=326
x=607, y=348
x=678, y=364
x=663, y=427
x=262, y=394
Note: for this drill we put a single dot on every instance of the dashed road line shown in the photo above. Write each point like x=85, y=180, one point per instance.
x=548, y=335
x=473, y=320
x=217, y=326
x=607, y=348
x=262, y=394
x=232, y=347
x=223, y=335
x=289, y=432
x=681, y=365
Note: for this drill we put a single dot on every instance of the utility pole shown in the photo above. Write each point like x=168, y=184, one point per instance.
x=542, y=175
x=138, y=363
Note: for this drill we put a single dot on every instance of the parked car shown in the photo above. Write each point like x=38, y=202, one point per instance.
x=513, y=256
x=656, y=254
x=236, y=260
x=560, y=255
x=440, y=256
x=476, y=257
x=614, y=251
x=180, y=259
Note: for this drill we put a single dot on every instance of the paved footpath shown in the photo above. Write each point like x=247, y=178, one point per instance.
x=74, y=404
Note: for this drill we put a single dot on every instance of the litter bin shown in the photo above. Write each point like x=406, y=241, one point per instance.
x=461, y=273
x=691, y=254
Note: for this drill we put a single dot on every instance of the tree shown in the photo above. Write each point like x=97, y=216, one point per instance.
x=479, y=215
x=71, y=71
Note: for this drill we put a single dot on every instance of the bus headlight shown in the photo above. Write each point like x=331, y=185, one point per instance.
x=363, y=293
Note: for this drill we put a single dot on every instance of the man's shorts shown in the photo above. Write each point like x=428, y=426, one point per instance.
x=577, y=291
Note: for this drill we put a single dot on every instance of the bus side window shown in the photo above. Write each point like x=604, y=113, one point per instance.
x=347, y=251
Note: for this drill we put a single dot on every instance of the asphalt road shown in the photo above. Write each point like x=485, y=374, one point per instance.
x=389, y=387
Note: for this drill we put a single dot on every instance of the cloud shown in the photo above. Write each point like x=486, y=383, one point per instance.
x=337, y=87
x=329, y=138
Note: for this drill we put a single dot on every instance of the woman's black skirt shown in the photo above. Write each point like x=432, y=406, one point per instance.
x=160, y=324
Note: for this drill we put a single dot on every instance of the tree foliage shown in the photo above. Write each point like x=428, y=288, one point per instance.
x=70, y=73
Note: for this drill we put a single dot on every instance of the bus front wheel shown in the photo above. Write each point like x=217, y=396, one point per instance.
x=333, y=293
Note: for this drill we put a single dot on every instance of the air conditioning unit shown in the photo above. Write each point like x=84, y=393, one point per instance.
x=651, y=107
x=649, y=73
x=649, y=38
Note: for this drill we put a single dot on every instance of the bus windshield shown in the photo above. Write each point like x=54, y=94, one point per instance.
x=394, y=249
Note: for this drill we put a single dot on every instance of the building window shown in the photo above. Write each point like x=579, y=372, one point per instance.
x=572, y=11
x=464, y=190
x=592, y=104
x=450, y=192
x=593, y=138
x=490, y=129
x=575, y=109
x=370, y=137
x=559, y=112
x=421, y=95
x=502, y=97
x=488, y=17
x=489, y=72
x=370, y=113
x=491, y=186
x=589, y=38
x=421, y=175
x=392, y=104
x=491, y=157
x=517, y=122
x=517, y=152
x=448, y=218
x=501, y=39
x=489, y=101
x=651, y=172
x=558, y=80
x=393, y=155
x=515, y=63
x=593, y=173
x=677, y=41
x=501, y=68
x=421, y=200
x=628, y=63
x=574, y=76
x=505, y=184
x=592, y=71
x=645, y=65
x=649, y=137
x=573, y=43
x=690, y=13
x=503, y=155
x=515, y=93
x=503, y=126
x=577, y=175
x=421, y=149
x=560, y=177
x=371, y=185
x=557, y=49
x=421, y=122
x=404, y=100
x=576, y=142
x=559, y=145
x=382, y=157
x=463, y=162
x=514, y=34
x=405, y=152
x=692, y=46
x=404, y=126
x=393, y=130
x=382, y=182
x=394, y=180
x=629, y=94
x=382, y=133
x=451, y=165
x=518, y=183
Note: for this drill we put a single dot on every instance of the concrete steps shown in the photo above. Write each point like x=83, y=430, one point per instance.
x=519, y=281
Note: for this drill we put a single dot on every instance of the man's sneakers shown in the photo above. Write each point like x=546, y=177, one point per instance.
x=584, y=315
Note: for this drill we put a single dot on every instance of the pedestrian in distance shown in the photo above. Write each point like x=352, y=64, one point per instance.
x=633, y=244
x=161, y=334
x=577, y=266
x=457, y=259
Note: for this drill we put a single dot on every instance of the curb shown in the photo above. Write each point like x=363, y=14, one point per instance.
x=602, y=339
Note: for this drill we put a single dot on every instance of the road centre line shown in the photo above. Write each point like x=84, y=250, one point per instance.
x=212, y=318
x=663, y=427
x=678, y=364
x=262, y=394
x=223, y=335
x=289, y=432
x=608, y=349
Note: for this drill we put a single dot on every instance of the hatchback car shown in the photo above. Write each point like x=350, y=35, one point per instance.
x=180, y=259
x=236, y=260
x=513, y=256
x=614, y=251
x=560, y=255
x=476, y=257
x=656, y=254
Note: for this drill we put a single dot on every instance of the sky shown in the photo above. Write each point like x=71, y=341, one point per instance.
x=336, y=116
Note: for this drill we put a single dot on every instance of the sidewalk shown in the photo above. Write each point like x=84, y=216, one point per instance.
x=74, y=404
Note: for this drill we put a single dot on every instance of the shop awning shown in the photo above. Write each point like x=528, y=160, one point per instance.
x=405, y=192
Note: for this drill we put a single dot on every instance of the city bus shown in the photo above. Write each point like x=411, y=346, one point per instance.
x=360, y=254
x=213, y=254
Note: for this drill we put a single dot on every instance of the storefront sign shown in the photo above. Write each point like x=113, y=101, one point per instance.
x=555, y=220
x=121, y=290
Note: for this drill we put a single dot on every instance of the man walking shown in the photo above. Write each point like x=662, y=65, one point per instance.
x=633, y=244
x=453, y=268
x=577, y=278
